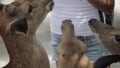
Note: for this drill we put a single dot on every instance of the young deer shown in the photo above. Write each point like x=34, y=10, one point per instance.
x=71, y=51
x=18, y=24
x=110, y=37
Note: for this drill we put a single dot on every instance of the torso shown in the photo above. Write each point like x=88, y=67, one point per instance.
x=79, y=11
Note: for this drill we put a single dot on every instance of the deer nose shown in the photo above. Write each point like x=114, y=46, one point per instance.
x=92, y=20
x=66, y=21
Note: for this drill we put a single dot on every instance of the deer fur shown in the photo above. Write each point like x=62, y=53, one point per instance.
x=18, y=24
x=110, y=37
x=71, y=51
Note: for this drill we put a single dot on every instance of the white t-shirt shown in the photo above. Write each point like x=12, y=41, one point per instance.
x=79, y=11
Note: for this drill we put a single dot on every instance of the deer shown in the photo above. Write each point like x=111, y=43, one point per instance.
x=110, y=38
x=19, y=21
x=71, y=51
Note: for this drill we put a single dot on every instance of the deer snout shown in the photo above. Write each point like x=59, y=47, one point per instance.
x=67, y=21
x=92, y=20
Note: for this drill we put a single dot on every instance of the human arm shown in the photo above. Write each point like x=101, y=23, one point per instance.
x=106, y=6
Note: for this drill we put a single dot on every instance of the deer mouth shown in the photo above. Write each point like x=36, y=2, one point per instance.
x=19, y=26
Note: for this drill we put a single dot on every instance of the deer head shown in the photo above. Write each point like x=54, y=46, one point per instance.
x=18, y=24
x=109, y=35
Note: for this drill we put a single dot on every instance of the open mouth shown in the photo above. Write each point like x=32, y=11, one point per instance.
x=20, y=26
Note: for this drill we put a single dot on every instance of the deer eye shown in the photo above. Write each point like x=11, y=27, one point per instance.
x=117, y=38
x=8, y=8
x=30, y=8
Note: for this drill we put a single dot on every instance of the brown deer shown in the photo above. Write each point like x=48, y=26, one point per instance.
x=110, y=37
x=71, y=51
x=18, y=24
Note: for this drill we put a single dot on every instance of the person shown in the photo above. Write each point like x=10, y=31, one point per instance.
x=80, y=12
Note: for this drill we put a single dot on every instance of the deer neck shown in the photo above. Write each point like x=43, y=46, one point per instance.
x=68, y=35
x=18, y=46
